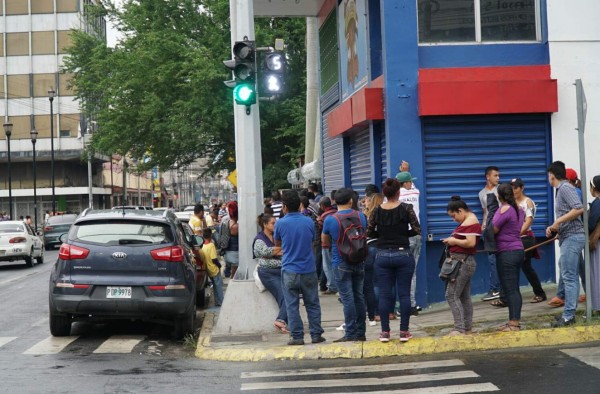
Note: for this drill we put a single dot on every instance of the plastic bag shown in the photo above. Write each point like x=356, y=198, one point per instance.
x=258, y=282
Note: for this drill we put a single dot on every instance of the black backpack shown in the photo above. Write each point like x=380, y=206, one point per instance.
x=352, y=238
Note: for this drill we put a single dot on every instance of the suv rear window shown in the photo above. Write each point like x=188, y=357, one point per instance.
x=122, y=233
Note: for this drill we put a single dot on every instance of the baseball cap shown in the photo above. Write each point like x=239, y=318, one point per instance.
x=405, y=176
x=571, y=174
x=517, y=182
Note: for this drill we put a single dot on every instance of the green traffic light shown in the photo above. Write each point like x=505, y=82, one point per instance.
x=244, y=94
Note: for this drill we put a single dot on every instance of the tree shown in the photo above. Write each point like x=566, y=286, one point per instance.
x=159, y=93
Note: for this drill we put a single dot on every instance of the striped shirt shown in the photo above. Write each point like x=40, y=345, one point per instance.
x=567, y=199
x=277, y=206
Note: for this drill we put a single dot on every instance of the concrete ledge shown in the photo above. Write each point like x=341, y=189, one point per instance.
x=370, y=349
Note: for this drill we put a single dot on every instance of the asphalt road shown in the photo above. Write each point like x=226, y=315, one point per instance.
x=134, y=358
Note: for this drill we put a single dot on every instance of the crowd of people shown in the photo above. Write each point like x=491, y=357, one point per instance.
x=365, y=252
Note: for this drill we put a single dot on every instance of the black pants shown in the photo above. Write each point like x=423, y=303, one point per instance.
x=528, y=270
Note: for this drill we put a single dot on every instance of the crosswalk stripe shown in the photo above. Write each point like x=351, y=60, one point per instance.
x=359, y=381
x=5, y=340
x=590, y=356
x=120, y=344
x=453, y=389
x=354, y=369
x=50, y=345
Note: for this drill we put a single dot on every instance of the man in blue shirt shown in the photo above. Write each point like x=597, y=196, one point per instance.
x=571, y=238
x=349, y=277
x=294, y=233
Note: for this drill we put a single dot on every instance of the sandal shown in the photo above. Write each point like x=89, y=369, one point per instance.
x=281, y=326
x=499, y=303
x=537, y=299
x=509, y=327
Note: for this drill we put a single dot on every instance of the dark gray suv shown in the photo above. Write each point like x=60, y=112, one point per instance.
x=135, y=264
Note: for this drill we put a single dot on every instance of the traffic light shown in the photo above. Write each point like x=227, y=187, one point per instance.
x=243, y=66
x=272, y=74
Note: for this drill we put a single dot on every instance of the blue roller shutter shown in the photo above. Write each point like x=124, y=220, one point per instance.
x=458, y=149
x=384, y=156
x=333, y=160
x=360, y=161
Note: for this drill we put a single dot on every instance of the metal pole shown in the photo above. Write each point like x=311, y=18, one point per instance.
x=10, y=200
x=124, y=181
x=139, y=190
x=90, y=183
x=51, y=98
x=581, y=113
x=35, y=207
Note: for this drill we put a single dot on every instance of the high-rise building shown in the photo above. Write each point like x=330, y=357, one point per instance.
x=34, y=35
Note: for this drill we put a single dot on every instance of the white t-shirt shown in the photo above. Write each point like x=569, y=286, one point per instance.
x=411, y=196
x=483, y=199
x=529, y=212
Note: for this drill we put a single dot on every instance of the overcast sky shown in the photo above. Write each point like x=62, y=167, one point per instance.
x=111, y=33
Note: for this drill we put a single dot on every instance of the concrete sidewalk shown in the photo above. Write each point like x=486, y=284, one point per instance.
x=429, y=331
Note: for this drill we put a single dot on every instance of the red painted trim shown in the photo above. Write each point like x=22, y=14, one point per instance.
x=356, y=112
x=326, y=8
x=377, y=82
x=487, y=90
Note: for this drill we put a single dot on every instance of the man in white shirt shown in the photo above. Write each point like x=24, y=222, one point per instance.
x=492, y=177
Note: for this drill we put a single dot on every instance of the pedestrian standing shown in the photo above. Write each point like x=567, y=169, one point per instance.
x=370, y=288
x=394, y=264
x=212, y=264
x=508, y=221
x=571, y=238
x=269, y=266
x=349, y=276
x=276, y=204
x=232, y=254
x=528, y=208
x=462, y=245
x=328, y=210
x=294, y=233
x=594, y=229
x=492, y=178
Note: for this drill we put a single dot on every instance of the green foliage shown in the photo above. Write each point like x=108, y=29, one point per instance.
x=159, y=93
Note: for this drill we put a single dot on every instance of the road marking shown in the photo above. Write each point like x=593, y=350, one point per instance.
x=19, y=277
x=590, y=356
x=50, y=345
x=454, y=389
x=356, y=369
x=120, y=344
x=41, y=322
x=5, y=340
x=429, y=377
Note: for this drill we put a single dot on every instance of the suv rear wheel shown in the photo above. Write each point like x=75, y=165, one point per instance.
x=185, y=324
x=201, y=298
x=29, y=259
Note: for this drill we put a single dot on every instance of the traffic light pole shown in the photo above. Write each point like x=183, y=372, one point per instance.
x=244, y=309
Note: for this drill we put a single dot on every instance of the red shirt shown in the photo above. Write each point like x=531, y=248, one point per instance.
x=461, y=232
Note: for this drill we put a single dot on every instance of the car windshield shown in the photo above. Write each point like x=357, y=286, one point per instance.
x=11, y=228
x=121, y=233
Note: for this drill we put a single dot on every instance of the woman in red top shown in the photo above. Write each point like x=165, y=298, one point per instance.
x=462, y=245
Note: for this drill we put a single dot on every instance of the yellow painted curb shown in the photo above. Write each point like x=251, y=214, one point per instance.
x=416, y=346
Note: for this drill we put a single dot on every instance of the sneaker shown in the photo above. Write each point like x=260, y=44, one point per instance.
x=419, y=308
x=361, y=339
x=563, y=323
x=341, y=328
x=414, y=311
x=296, y=342
x=556, y=302
x=372, y=323
x=343, y=339
x=405, y=336
x=318, y=339
x=384, y=336
x=491, y=295
x=396, y=313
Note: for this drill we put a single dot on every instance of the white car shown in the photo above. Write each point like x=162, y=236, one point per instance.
x=19, y=242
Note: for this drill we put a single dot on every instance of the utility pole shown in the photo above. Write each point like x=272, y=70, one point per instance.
x=244, y=308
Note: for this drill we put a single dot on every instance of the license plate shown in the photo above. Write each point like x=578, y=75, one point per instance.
x=118, y=292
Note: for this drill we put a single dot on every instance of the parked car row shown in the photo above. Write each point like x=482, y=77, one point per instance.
x=127, y=264
x=18, y=241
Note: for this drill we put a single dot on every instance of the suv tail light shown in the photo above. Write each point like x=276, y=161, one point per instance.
x=48, y=228
x=17, y=240
x=72, y=252
x=173, y=254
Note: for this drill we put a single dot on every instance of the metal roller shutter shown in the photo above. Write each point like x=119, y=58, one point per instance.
x=384, y=173
x=360, y=161
x=458, y=149
x=333, y=160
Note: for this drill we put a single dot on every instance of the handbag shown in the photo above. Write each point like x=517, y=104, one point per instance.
x=450, y=267
x=258, y=282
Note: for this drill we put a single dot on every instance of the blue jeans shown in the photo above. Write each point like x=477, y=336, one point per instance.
x=349, y=279
x=394, y=267
x=568, y=263
x=509, y=268
x=560, y=291
x=494, y=280
x=217, y=281
x=308, y=284
x=328, y=268
x=271, y=279
x=369, y=285
x=415, y=250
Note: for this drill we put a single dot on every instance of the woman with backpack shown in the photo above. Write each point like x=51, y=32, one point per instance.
x=394, y=264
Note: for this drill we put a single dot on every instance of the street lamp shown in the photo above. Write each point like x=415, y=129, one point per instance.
x=51, y=94
x=34, y=134
x=8, y=131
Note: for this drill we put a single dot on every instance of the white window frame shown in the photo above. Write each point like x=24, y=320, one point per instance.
x=478, y=41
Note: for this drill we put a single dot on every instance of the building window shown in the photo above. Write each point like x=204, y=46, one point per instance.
x=18, y=86
x=444, y=21
x=17, y=44
x=42, y=83
x=42, y=43
x=65, y=133
x=328, y=46
x=17, y=7
x=42, y=7
x=64, y=40
x=67, y=5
